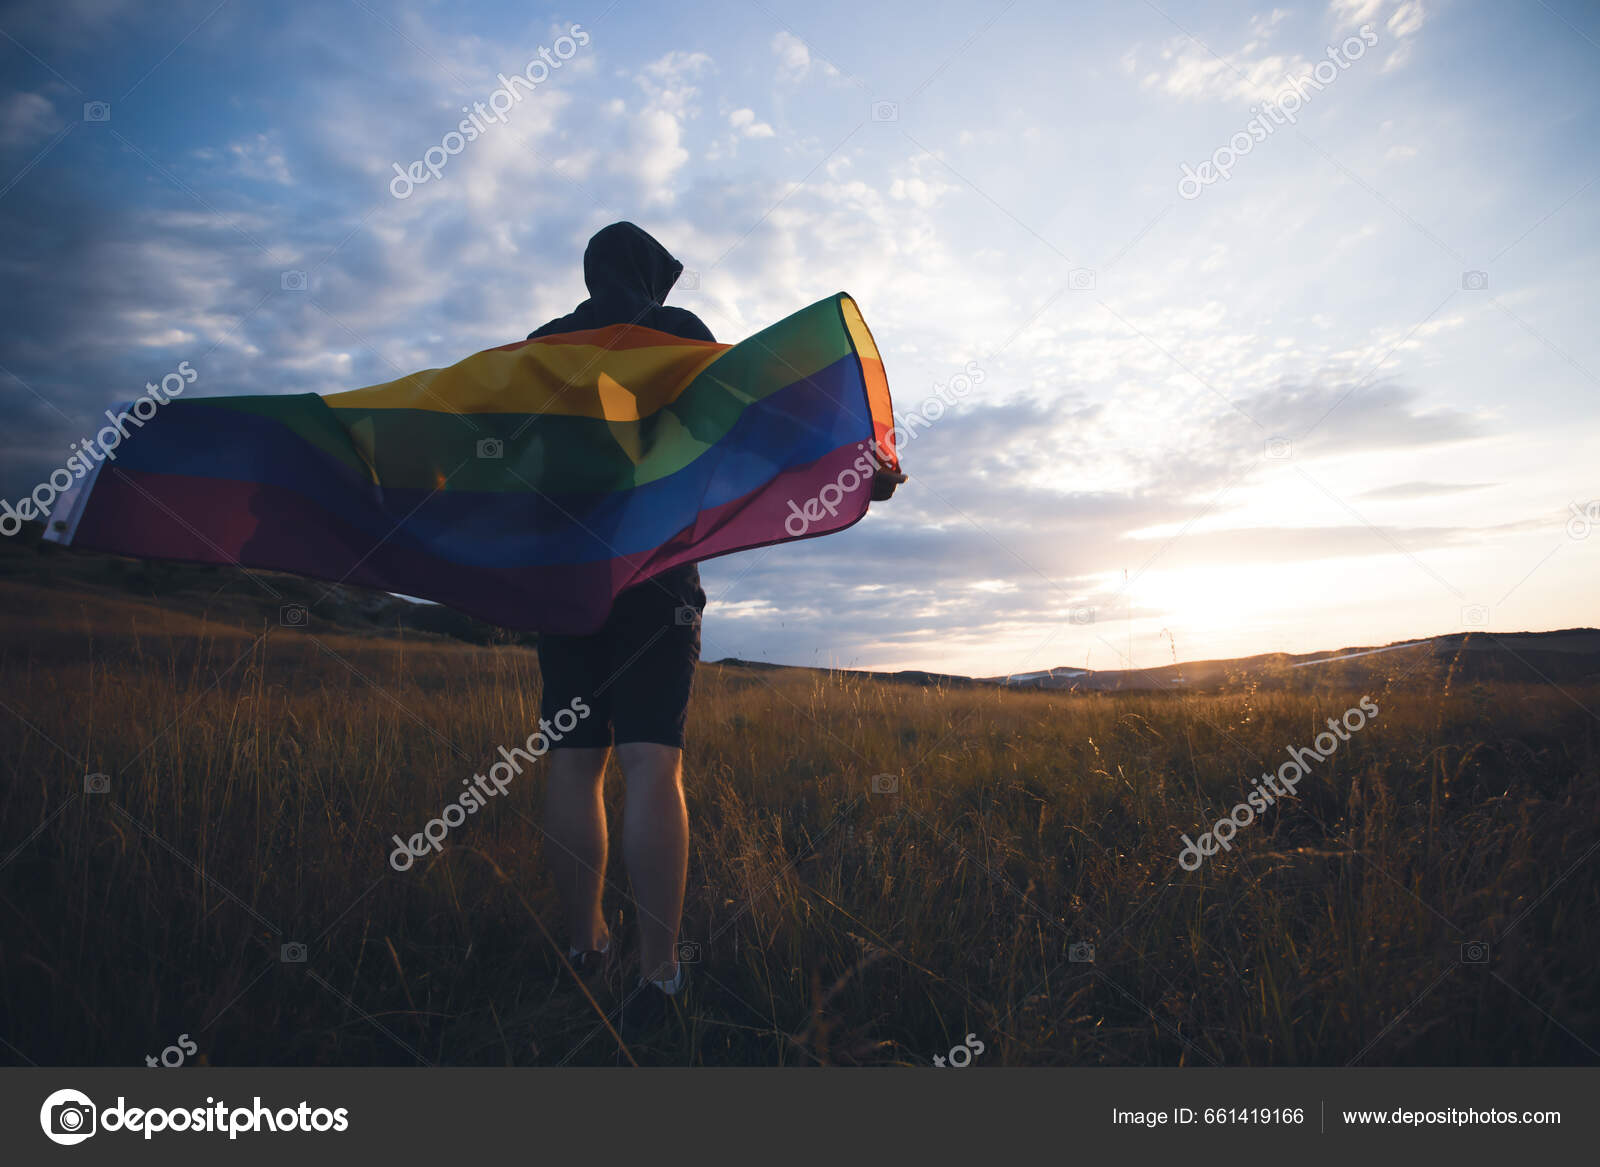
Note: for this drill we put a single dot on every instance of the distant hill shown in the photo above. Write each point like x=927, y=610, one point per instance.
x=905, y=676
x=1567, y=656
x=250, y=597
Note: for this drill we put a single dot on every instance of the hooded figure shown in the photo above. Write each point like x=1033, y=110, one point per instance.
x=636, y=670
x=632, y=678
x=628, y=275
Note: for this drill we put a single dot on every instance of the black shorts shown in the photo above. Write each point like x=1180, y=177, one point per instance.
x=635, y=673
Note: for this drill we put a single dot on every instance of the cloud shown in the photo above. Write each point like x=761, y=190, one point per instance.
x=1092, y=437
x=744, y=126
x=261, y=157
x=1355, y=13
x=1406, y=19
x=667, y=81
x=744, y=123
x=1409, y=490
x=1336, y=418
x=1243, y=546
x=26, y=119
x=653, y=153
x=1192, y=73
x=1194, y=69
x=1402, y=25
x=794, y=58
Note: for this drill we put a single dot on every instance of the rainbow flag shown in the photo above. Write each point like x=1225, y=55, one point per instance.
x=526, y=485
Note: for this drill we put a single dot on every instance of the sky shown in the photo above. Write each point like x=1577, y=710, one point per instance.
x=1276, y=324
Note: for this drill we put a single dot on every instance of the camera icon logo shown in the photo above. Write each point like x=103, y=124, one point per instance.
x=293, y=952
x=686, y=616
x=97, y=783
x=1279, y=449
x=689, y=281
x=688, y=952
x=1474, y=281
x=1475, y=616
x=97, y=111
x=293, y=616
x=885, y=784
x=1475, y=952
x=885, y=111
x=1081, y=615
x=1081, y=279
x=67, y=1117
x=293, y=281
x=489, y=448
x=1080, y=953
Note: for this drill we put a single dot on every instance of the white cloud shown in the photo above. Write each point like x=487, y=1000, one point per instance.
x=667, y=81
x=1191, y=71
x=25, y=119
x=652, y=151
x=653, y=155
x=1262, y=23
x=166, y=338
x=1093, y=421
x=260, y=158
x=1406, y=20
x=1355, y=13
x=794, y=58
x=744, y=123
x=917, y=190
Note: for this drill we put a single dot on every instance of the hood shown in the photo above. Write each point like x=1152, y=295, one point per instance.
x=625, y=263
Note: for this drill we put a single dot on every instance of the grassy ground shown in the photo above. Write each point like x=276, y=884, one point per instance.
x=256, y=776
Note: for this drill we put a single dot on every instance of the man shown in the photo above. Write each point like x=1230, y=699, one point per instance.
x=635, y=674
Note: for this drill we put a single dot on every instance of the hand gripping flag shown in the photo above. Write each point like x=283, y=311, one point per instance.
x=526, y=485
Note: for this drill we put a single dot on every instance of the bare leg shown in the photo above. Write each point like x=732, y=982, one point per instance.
x=655, y=844
x=575, y=820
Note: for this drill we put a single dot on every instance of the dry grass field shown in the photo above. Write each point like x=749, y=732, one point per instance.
x=256, y=773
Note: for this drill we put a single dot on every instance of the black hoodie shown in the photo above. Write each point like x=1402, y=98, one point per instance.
x=628, y=274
